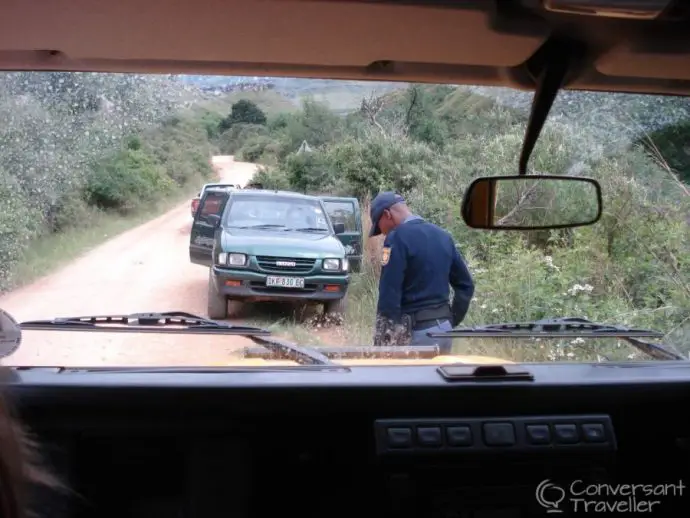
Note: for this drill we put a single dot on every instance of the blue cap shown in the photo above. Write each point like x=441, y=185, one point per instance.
x=384, y=200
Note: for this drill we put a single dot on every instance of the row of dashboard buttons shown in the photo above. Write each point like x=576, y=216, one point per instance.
x=495, y=434
x=511, y=433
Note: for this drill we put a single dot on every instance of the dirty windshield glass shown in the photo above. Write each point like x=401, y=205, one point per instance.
x=100, y=174
x=290, y=213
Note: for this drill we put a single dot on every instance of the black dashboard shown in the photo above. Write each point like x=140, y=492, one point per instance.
x=373, y=441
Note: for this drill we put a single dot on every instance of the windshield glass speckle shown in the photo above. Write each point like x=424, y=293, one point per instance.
x=377, y=257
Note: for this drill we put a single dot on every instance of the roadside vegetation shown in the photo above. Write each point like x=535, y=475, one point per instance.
x=429, y=142
x=86, y=156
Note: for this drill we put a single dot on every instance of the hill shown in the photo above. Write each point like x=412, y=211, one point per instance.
x=271, y=102
x=592, y=115
x=339, y=96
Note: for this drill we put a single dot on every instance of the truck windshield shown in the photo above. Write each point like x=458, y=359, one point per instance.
x=254, y=211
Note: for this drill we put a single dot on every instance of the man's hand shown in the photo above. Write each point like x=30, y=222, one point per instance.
x=389, y=333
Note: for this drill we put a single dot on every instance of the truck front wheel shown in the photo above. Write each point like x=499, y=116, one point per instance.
x=217, y=303
x=335, y=307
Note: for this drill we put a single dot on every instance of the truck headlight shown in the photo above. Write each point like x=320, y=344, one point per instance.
x=232, y=259
x=331, y=264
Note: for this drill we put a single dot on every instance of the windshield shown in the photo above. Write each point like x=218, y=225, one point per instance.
x=98, y=173
x=284, y=212
x=209, y=185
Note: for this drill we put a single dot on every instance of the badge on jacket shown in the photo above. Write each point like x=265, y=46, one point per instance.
x=386, y=255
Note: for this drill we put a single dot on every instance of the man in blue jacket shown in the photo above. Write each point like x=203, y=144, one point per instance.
x=418, y=262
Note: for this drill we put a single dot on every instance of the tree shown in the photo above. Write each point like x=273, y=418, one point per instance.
x=243, y=111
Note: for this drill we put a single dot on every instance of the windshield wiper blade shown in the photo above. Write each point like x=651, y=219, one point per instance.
x=567, y=327
x=397, y=352
x=193, y=370
x=656, y=351
x=308, y=229
x=173, y=322
x=266, y=225
x=284, y=350
x=557, y=327
x=178, y=322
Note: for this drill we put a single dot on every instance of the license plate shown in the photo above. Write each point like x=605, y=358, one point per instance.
x=285, y=282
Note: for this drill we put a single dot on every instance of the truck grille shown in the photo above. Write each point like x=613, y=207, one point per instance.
x=271, y=264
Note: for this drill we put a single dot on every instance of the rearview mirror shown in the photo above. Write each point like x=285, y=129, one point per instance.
x=531, y=202
x=213, y=219
x=338, y=228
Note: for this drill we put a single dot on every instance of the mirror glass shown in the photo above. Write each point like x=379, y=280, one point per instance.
x=531, y=202
x=338, y=228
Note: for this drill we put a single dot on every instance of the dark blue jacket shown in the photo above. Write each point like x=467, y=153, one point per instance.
x=419, y=261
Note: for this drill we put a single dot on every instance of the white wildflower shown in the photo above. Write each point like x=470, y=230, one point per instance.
x=577, y=288
x=548, y=260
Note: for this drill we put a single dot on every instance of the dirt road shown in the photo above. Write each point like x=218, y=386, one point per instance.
x=145, y=269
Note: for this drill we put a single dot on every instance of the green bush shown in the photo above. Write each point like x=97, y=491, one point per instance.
x=232, y=140
x=74, y=144
x=243, y=111
x=126, y=181
x=255, y=148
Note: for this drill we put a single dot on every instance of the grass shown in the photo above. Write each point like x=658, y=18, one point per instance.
x=48, y=253
x=291, y=323
x=360, y=316
x=297, y=333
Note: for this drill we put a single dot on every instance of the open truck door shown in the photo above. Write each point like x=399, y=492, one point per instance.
x=206, y=222
x=347, y=212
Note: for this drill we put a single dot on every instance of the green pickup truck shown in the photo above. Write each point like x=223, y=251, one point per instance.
x=274, y=245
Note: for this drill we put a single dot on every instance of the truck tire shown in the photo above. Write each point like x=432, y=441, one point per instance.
x=335, y=307
x=217, y=303
x=234, y=307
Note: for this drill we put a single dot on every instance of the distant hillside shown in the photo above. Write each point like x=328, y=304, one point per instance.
x=593, y=113
x=601, y=117
x=340, y=96
x=269, y=101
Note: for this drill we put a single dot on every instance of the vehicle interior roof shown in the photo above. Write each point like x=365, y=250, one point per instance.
x=442, y=41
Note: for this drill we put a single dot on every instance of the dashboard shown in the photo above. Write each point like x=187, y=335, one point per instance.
x=375, y=441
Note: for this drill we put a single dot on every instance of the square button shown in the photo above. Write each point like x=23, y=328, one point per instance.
x=499, y=434
x=400, y=437
x=429, y=436
x=566, y=433
x=538, y=433
x=594, y=432
x=459, y=436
